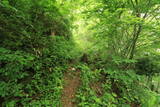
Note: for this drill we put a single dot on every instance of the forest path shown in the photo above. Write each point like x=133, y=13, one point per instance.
x=71, y=84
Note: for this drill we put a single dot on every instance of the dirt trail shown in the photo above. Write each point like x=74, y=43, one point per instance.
x=72, y=82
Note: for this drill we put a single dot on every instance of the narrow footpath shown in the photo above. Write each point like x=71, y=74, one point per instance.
x=71, y=84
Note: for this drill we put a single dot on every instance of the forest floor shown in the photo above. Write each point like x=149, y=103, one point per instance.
x=71, y=83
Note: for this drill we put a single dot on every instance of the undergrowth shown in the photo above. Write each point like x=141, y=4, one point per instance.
x=118, y=89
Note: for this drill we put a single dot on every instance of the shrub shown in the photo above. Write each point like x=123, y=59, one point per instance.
x=15, y=66
x=148, y=66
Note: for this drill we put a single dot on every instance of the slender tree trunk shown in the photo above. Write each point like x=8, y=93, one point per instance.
x=135, y=38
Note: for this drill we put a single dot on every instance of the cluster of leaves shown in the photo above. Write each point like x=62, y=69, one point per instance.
x=14, y=66
x=131, y=88
x=119, y=89
x=25, y=22
x=148, y=65
x=86, y=96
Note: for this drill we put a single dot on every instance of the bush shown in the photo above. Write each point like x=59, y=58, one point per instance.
x=148, y=66
x=131, y=88
x=120, y=89
x=24, y=23
x=15, y=66
x=27, y=79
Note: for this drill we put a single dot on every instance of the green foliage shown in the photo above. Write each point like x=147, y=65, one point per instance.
x=59, y=50
x=27, y=81
x=128, y=86
x=25, y=23
x=120, y=88
x=44, y=89
x=148, y=66
x=13, y=63
x=37, y=46
x=86, y=96
x=15, y=66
